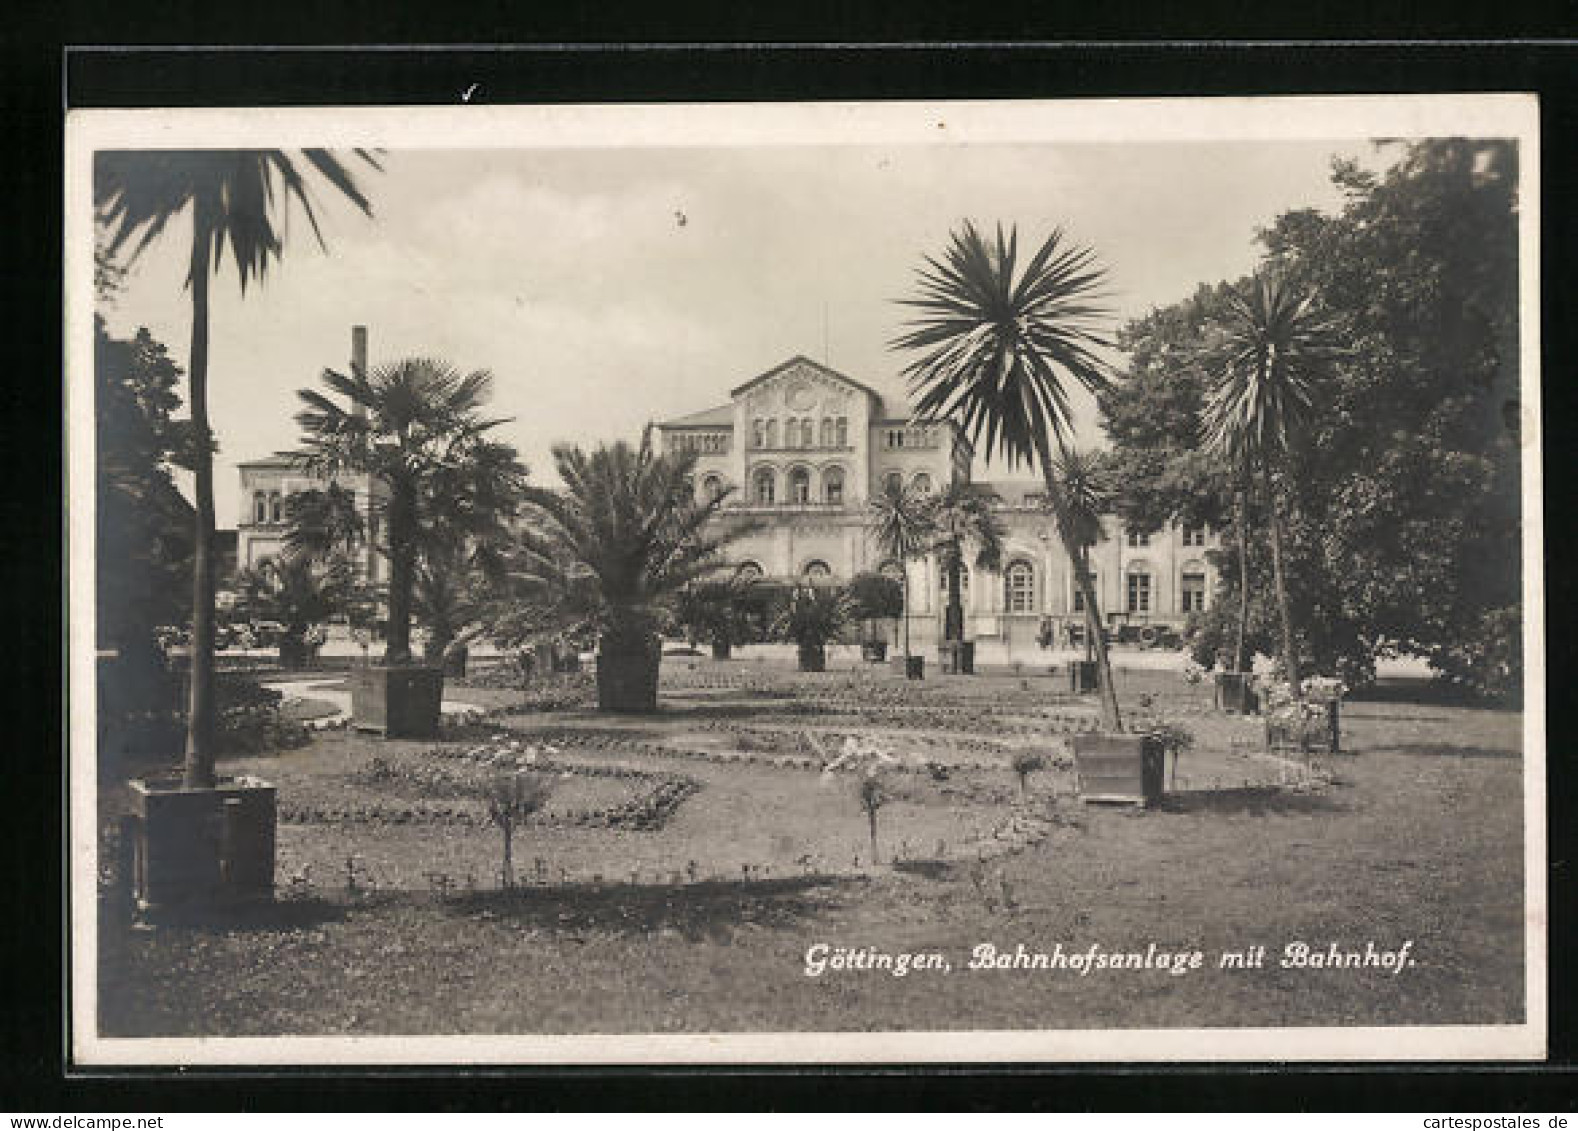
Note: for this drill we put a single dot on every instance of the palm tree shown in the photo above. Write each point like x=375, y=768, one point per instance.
x=299, y=590
x=898, y=521
x=1275, y=340
x=998, y=348
x=958, y=517
x=237, y=198
x=416, y=426
x=624, y=536
x=1086, y=497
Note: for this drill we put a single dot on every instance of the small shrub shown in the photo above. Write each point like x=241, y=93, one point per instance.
x=512, y=799
x=1025, y=763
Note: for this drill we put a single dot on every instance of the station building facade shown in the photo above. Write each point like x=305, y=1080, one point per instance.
x=805, y=448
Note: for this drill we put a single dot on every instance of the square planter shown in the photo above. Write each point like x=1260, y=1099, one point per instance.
x=1235, y=693
x=957, y=657
x=297, y=654
x=202, y=846
x=455, y=658
x=874, y=651
x=722, y=649
x=397, y=702
x=1124, y=768
x=1084, y=676
x=915, y=667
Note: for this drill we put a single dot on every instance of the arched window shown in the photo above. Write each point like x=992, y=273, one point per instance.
x=964, y=580
x=817, y=573
x=749, y=571
x=764, y=487
x=711, y=488
x=276, y=507
x=799, y=486
x=758, y=433
x=833, y=486
x=791, y=432
x=772, y=433
x=893, y=482
x=807, y=433
x=1019, y=587
x=827, y=431
x=921, y=484
x=259, y=507
x=843, y=431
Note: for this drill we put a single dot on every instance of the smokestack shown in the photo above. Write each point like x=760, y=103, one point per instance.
x=358, y=362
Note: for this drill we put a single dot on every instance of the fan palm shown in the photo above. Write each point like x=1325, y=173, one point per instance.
x=898, y=521
x=416, y=426
x=1274, y=341
x=1001, y=350
x=961, y=517
x=626, y=533
x=239, y=199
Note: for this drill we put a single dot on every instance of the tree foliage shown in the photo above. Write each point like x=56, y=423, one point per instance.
x=1402, y=493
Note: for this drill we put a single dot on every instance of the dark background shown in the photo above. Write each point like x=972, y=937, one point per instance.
x=41, y=78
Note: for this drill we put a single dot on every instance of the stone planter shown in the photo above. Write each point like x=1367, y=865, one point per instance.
x=1084, y=677
x=957, y=657
x=202, y=846
x=1124, y=768
x=397, y=702
x=627, y=673
x=1235, y=693
x=874, y=651
x=915, y=667
x=722, y=649
x=813, y=657
x=455, y=658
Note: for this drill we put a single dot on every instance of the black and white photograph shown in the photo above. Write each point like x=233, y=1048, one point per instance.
x=815, y=583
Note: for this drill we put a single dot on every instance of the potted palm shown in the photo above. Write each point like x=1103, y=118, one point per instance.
x=417, y=427
x=997, y=347
x=301, y=590
x=810, y=617
x=876, y=597
x=236, y=199
x=958, y=518
x=1087, y=495
x=714, y=612
x=898, y=521
x=613, y=549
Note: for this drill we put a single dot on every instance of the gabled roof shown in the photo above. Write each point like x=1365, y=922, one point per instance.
x=801, y=359
x=708, y=418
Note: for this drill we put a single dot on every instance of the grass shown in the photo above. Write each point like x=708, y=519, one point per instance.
x=1415, y=836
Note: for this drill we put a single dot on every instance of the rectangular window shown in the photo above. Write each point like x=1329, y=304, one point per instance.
x=1139, y=592
x=1194, y=536
x=1139, y=538
x=1193, y=593
x=1079, y=594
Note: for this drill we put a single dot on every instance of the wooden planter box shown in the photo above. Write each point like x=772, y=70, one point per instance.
x=874, y=651
x=1084, y=676
x=202, y=846
x=1124, y=768
x=957, y=657
x=1235, y=693
x=813, y=657
x=1318, y=736
x=912, y=667
x=722, y=649
x=455, y=659
x=398, y=701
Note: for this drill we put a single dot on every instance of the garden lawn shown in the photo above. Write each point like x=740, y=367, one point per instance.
x=1417, y=837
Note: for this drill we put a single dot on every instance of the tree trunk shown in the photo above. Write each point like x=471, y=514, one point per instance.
x=397, y=649
x=507, y=874
x=871, y=816
x=905, y=581
x=1241, y=520
x=198, y=768
x=1290, y=658
x=953, y=616
x=1111, y=718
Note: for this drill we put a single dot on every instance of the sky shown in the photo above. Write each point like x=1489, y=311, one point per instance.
x=604, y=288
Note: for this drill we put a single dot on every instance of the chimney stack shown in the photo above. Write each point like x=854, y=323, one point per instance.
x=358, y=362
